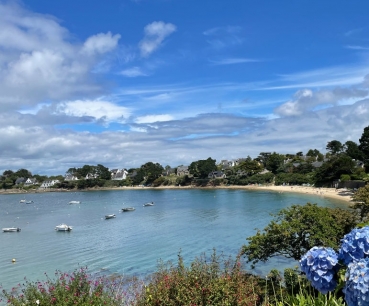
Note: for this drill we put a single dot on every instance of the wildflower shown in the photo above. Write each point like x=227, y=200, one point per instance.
x=356, y=289
x=355, y=245
x=320, y=265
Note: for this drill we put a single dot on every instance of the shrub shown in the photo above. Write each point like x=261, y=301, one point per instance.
x=203, y=283
x=77, y=288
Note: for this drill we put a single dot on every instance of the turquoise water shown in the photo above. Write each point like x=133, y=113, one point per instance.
x=191, y=221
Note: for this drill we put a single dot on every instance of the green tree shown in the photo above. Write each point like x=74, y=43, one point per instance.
x=250, y=166
x=151, y=171
x=274, y=162
x=334, y=147
x=352, y=150
x=23, y=173
x=296, y=229
x=103, y=172
x=202, y=168
x=364, y=147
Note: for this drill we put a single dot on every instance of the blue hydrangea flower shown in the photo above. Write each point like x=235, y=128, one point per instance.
x=355, y=245
x=320, y=266
x=356, y=289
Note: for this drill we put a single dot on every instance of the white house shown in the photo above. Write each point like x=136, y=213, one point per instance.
x=119, y=174
x=50, y=183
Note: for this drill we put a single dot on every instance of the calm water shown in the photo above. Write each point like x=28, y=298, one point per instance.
x=193, y=221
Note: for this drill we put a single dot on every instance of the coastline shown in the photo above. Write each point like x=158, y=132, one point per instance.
x=332, y=193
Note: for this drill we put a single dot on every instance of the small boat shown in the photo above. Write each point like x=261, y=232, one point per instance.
x=29, y=202
x=110, y=216
x=22, y=201
x=75, y=202
x=11, y=229
x=63, y=228
x=149, y=204
x=125, y=209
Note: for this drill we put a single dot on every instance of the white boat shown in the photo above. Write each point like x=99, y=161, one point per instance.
x=75, y=202
x=63, y=228
x=125, y=209
x=22, y=201
x=11, y=229
x=149, y=204
x=109, y=216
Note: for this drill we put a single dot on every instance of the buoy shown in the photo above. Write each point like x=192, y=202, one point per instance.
x=13, y=260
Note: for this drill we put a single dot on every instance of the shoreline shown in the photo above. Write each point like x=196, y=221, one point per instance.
x=332, y=193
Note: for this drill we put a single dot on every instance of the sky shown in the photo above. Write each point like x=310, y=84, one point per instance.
x=126, y=82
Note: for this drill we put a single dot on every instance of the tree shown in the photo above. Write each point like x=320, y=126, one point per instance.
x=202, y=168
x=23, y=173
x=361, y=202
x=103, y=172
x=250, y=166
x=352, y=150
x=313, y=153
x=296, y=229
x=364, y=147
x=151, y=171
x=334, y=147
x=274, y=162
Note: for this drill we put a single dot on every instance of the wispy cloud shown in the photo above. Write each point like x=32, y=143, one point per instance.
x=155, y=33
x=231, y=61
x=133, y=72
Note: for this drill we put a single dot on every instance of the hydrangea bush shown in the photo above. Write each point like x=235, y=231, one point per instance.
x=321, y=266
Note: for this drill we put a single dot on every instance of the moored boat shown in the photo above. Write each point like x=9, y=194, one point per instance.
x=11, y=229
x=111, y=216
x=149, y=204
x=29, y=202
x=75, y=202
x=63, y=228
x=22, y=201
x=125, y=209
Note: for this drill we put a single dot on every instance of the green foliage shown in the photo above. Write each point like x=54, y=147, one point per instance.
x=345, y=177
x=364, y=147
x=295, y=230
x=77, y=289
x=183, y=180
x=151, y=172
x=202, y=168
x=266, y=178
x=334, y=147
x=361, y=202
x=205, y=282
x=274, y=162
x=249, y=166
x=293, y=179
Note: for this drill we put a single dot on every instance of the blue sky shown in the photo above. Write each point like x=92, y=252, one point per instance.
x=121, y=83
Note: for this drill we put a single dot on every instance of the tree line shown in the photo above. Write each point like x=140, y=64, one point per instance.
x=342, y=162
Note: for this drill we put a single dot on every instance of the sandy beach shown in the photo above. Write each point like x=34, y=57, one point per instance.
x=337, y=194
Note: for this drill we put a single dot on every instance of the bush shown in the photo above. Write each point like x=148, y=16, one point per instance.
x=77, y=288
x=203, y=283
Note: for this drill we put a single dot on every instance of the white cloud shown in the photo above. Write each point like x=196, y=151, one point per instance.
x=39, y=62
x=133, y=72
x=153, y=118
x=308, y=100
x=100, y=43
x=98, y=109
x=155, y=33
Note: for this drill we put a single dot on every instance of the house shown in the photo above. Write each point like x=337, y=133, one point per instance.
x=91, y=176
x=217, y=174
x=49, y=183
x=118, y=174
x=30, y=181
x=70, y=177
x=182, y=171
x=20, y=180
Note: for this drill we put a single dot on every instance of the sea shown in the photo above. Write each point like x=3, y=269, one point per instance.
x=190, y=222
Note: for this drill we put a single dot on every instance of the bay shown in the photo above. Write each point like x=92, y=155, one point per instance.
x=190, y=221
